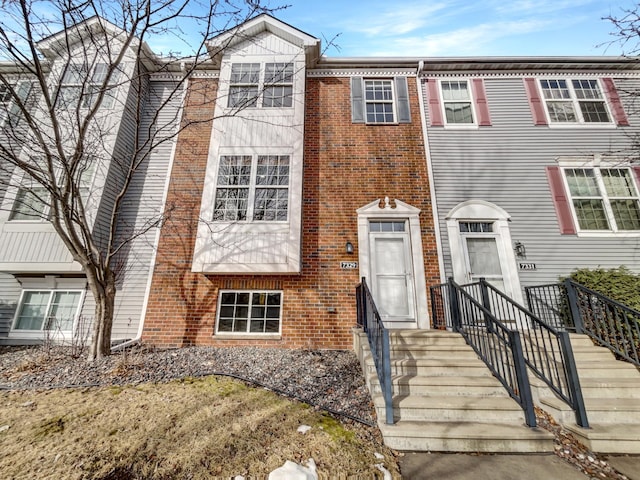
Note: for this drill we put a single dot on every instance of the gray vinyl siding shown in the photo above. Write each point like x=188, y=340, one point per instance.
x=144, y=202
x=9, y=297
x=505, y=164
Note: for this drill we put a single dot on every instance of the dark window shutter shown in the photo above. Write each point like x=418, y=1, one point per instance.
x=357, y=100
x=535, y=101
x=482, y=107
x=615, y=103
x=560, y=201
x=435, y=112
x=402, y=91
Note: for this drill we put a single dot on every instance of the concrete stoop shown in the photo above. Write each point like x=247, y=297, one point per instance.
x=611, y=392
x=445, y=398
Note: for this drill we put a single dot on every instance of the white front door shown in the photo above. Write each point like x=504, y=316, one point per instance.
x=482, y=256
x=391, y=271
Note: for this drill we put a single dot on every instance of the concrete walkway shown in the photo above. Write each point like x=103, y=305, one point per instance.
x=456, y=466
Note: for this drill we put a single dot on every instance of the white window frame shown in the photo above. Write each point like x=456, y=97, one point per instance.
x=247, y=333
x=252, y=187
x=471, y=101
x=261, y=85
x=85, y=85
x=606, y=200
x=486, y=212
x=374, y=101
x=575, y=102
x=38, y=334
x=44, y=216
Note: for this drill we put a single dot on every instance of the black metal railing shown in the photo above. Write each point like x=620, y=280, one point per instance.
x=583, y=310
x=547, y=350
x=550, y=304
x=378, y=336
x=496, y=344
x=608, y=322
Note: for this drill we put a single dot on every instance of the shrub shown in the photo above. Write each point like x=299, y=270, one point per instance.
x=619, y=284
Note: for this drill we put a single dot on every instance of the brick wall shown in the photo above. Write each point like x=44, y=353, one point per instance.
x=346, y=166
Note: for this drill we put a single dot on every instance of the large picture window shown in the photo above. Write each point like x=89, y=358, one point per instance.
x=252, y=188
x=249, y=312
x=48, y=310
x=604, y=199
x=575, y=101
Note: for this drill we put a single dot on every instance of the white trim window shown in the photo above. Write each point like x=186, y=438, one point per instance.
x=78, y=88
x=31, y=204
x=249, y=88
x=378, y=97
x=604, y=199
x=457, y=102
x=48, y=310
x=252, y=188
x=570, y=101
x=250, y=312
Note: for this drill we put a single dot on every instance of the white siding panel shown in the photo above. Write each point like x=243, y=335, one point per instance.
x=505, y=164
x=143, y=203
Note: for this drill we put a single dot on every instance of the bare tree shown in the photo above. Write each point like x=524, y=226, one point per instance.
x=63, y=66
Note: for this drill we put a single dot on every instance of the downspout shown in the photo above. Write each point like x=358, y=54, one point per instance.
x=432, y=187
x=152, y=264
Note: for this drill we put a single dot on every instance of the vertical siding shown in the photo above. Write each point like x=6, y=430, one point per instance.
x=142, y=204
x=505, y=164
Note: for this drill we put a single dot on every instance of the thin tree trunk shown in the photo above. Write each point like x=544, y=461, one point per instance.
x=105, y=296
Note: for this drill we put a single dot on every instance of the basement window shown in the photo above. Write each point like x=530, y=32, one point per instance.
x=249, y=312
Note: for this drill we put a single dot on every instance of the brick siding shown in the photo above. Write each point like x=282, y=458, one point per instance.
x=346, y=166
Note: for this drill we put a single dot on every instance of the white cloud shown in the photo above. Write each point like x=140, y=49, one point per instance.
x=461, y=42
x=400, y=19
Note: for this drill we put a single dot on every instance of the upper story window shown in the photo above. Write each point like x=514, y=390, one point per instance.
x=575, y=101
x=31, y=204
x=252, y=188
x=604, y=199
x=250, y=87
x=5, y=96
x=457, y=102
x=378, y=95
x=380, y=101
x=80, y=86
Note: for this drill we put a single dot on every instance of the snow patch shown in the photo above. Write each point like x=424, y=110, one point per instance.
x=292, y=471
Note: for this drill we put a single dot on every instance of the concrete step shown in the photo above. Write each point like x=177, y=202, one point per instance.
x=433, y=367
x=612, y=369
x=466, y=437
x=599, y=410
x=609, y=438
x=425, y=337
x=442, y=386
x=467, y=409
x=431, y=351
x=611, y=388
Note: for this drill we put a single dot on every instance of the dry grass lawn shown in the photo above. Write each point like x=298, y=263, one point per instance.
x=190, y=429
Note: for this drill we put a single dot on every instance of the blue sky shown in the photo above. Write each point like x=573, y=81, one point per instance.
x=458, y=27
